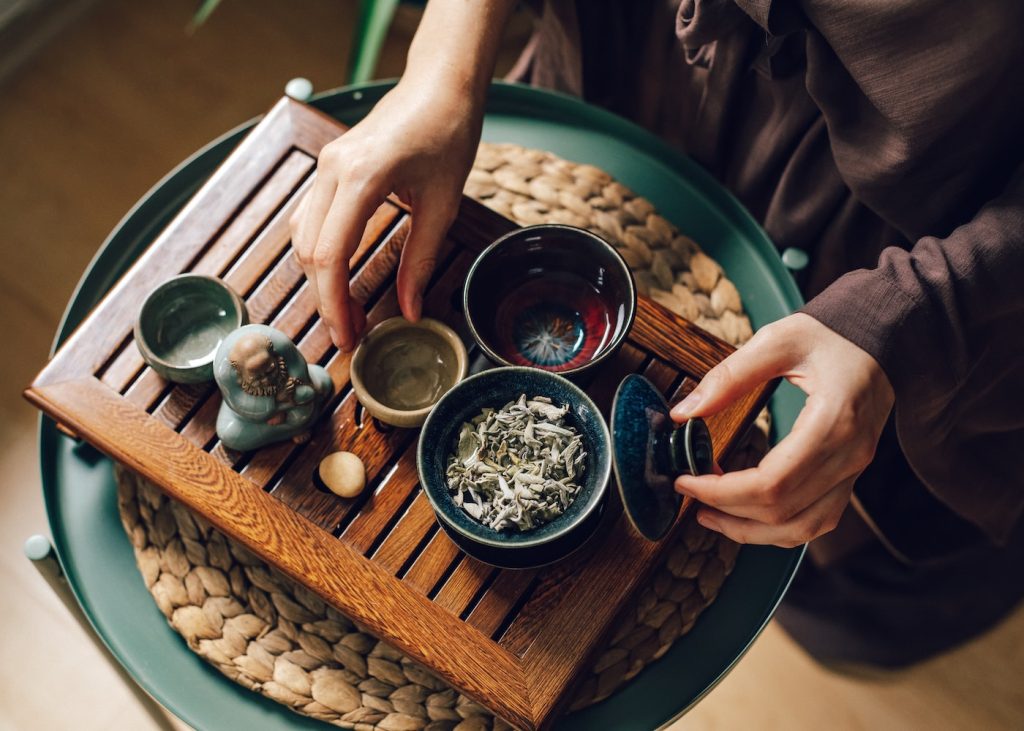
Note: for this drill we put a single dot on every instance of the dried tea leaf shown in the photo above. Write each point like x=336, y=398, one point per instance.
x=516, y=467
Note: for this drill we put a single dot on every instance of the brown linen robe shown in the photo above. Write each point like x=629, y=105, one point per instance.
x=886, y=139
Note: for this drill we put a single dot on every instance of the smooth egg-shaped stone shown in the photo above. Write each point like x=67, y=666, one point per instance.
x=343, y=473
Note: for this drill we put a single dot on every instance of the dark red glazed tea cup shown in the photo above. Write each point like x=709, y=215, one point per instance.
x=552, y=297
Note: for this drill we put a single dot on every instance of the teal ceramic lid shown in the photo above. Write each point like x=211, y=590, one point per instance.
x=650, y=452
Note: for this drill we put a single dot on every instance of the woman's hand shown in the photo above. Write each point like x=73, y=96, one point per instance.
x=801, y=487
x=419, y=142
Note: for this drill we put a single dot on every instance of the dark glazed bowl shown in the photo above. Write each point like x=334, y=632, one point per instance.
x=552, y=297
x=183, y=322
x=511, y=549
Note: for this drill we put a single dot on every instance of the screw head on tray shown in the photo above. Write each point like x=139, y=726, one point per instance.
x=401, y=368
x=183, y=322
x=509, y=548
x=650, y=452
x=553, y=297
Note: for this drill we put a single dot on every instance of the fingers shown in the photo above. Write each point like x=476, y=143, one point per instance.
x=430, y=221
x=765, y=356
x=800, y=488
x=326, y=229
x=817, y=519
x=338, y=239
x=305, y=225
x=819, y=452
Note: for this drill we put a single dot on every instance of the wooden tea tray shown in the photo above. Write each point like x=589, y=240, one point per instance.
x=513, y=640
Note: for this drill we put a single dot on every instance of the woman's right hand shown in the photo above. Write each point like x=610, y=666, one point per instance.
x=418, y=142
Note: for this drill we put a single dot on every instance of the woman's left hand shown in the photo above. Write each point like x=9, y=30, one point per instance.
x=801, y=487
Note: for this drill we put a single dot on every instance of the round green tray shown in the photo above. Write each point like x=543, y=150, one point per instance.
x=80, y=493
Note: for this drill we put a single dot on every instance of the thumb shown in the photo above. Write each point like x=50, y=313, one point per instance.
x=762, y=358
x=430, y=221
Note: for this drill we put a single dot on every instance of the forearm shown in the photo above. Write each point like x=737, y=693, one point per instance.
x=456, y=46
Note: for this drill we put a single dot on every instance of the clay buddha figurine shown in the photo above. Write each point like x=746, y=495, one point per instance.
x=270, y=392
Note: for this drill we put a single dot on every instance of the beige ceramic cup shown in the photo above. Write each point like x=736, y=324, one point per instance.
x=394, y=358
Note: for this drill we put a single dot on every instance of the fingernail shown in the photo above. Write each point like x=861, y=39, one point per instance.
x=688, y=405
x=681, y=487
x=417, y=307
x=708, y=522
x=334, y=335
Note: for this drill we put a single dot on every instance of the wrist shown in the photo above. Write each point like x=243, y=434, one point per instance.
x=439, y=107
x=456, y=46
x=457, y=90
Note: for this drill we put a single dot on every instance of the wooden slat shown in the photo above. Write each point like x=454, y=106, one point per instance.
x=477, y=226
x=661, y=374
x=463, y=585
x=432, y=563
x=611, y=373
x=241, y=237
x=545, y=597
x=321, y=508
x=265, y=462
x=561, y=649
x=505, y=593
x=383, y=505
x=182, y=401
x=400, y=544
x=658, y=330
x=374, y=446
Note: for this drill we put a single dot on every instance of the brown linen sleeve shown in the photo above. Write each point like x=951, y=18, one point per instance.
x=946, y=322
x=924, y=104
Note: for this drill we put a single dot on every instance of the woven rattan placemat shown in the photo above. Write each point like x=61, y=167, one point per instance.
x=276, y=638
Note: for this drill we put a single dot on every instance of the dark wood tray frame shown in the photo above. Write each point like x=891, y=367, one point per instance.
x=513, y=640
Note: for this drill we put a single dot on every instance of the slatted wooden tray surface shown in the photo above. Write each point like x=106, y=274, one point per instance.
x=514, y=640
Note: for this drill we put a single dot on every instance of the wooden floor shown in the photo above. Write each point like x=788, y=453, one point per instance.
x=86, y=127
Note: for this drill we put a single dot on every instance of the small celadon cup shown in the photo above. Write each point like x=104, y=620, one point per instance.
x=183, y=322
x=401, y=369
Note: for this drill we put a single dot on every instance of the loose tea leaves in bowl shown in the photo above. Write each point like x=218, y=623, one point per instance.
x=517, y=467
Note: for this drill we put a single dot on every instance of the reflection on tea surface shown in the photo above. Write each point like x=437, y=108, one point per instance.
x=556, y=321
x=409, y=368
x=190, y=331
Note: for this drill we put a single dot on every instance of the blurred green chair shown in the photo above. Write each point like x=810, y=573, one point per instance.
x=371, y=30
x=375, y=18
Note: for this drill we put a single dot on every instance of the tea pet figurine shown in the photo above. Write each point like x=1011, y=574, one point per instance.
x=270, y=392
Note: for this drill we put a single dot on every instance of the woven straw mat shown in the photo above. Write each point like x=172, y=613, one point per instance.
x=275, y=637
